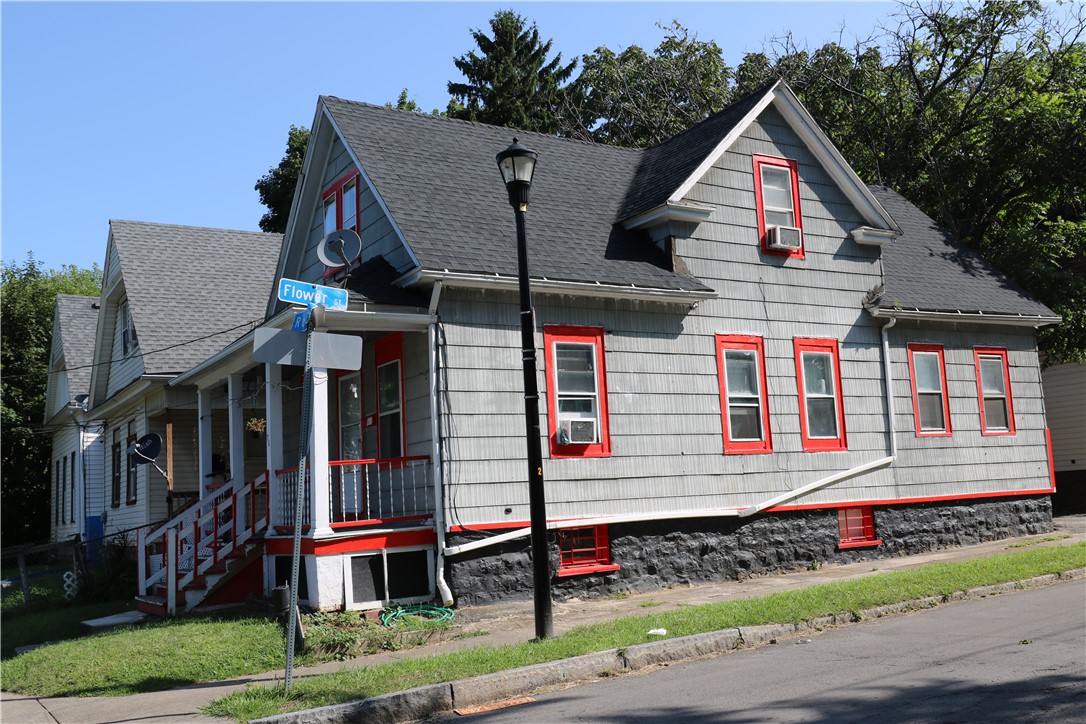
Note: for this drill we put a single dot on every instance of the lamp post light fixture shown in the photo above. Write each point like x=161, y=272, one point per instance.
x=517, y=164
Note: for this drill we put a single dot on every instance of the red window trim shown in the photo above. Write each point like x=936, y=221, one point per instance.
x=336, y=189
x=938, y=350
x=793, y=168
x=743, y=342
x=866, y=537
x=994, y=352
x=810, y=444
x=385, y=350
x=552, y=334
x=600, y=561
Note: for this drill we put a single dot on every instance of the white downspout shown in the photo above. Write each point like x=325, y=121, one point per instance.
x=435, y=454
x=889, y=384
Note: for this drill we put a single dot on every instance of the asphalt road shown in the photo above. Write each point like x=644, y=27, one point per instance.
x=1017, y=657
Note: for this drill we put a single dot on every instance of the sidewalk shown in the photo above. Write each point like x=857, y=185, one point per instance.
x=507, y=623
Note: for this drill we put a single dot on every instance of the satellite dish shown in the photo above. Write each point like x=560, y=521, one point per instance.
x=339, y=248
x=146, y=449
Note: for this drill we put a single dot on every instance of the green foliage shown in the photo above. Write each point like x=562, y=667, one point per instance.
x=405, y=102
x=27, y=299
x=276, y=187
x=510, y=81
x=633, y=98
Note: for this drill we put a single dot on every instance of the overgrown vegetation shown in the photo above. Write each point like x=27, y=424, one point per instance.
x=348, y=634
x=842, y=597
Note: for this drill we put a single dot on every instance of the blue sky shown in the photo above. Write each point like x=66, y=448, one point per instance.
x=170, y=112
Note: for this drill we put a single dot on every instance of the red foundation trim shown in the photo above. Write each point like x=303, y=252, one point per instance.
x=907, y=501
x=1051, y=460
x=860, y=544
x=584, y=570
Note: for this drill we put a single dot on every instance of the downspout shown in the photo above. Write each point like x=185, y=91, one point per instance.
x=435, y=453
x=889, y=381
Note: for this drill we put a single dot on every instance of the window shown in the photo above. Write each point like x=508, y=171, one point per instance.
x=856, y=528
x=129, y=341
x=584, y=550
x=341, y=204
x=350, y=416
x=60, y=491
x=130, y=476
x=776, y=195
x=821, y=405
x=994, y=390
x=931, y=408
x=576, y=392
x=390, y=418
x=115, y=492
x=744, y=401
x=71, y=488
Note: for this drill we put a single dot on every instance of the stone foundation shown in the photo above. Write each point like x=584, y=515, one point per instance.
x=683, y=552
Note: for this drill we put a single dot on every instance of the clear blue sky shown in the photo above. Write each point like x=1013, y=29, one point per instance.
x=170, y=112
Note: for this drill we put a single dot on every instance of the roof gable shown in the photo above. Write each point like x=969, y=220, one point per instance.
x=75, y=319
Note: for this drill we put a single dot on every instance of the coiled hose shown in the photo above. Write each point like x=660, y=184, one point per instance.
x=390, y=616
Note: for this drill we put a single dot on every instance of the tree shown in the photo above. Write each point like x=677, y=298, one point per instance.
x=404, y=102
x=510, y=82
x=27, y=299
x=633, y=98
x=975, y=113
x=276, y=187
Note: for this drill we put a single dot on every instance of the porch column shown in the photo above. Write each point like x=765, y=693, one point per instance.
x=318, y=452
x=236, y=426
x=204, y=434
x=273, y=432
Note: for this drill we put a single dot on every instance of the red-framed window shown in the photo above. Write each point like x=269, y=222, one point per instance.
x=391, y=425
x=744, y=400
x=576, y=392
x=341, y=207
x=821, y=403
x=931, y=403
x=584, y=550
x=856, y=527
x=994, y=391
x=776, y=195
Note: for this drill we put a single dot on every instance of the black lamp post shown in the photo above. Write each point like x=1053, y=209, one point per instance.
x=517, y=165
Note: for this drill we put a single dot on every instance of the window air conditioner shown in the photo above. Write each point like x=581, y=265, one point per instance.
x=784, y=238
x=577, y=432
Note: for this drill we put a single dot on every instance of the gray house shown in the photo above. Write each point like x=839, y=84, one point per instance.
x=751, y=361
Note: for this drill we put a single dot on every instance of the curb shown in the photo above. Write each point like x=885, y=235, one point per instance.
x=427, y=701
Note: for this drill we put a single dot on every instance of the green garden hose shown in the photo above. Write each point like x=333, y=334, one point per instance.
x=390, y=616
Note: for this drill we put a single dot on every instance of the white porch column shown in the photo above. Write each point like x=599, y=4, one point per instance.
x=318, y=453
x=204, y=434
x=273, y=432
x=236, y=427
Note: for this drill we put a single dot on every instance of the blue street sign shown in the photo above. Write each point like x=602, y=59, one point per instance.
x=301, y=320
x=296, y=292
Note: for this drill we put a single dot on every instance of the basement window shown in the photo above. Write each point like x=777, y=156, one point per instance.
x=856, y=528
x=584, y=550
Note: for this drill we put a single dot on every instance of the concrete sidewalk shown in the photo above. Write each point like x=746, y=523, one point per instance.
x=506, y=623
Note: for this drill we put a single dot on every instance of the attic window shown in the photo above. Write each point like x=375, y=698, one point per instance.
x=776, y=195
x=341, y=202
x=129, y=340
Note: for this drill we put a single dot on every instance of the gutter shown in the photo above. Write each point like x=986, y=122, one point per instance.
x=1016, y=320
x=557, y=286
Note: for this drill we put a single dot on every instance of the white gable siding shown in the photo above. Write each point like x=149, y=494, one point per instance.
x=124, y=369
x=378, y=237
x=1065, y=400
x=65, y=444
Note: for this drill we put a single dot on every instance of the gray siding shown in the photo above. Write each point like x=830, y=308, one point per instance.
x=663, y=388
x=378, y=236
x=1065, y=400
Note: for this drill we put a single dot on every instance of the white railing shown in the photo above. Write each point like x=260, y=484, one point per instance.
x=380, y=490
x=287, y=480
x=201, y=537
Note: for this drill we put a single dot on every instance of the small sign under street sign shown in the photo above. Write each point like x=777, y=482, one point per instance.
x=296, y=292
x=301, y=319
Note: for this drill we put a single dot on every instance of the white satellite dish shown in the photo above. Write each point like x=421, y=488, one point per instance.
x=340, y=248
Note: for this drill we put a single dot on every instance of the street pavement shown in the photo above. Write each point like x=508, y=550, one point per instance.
x=1017, y=657
x=505, y=623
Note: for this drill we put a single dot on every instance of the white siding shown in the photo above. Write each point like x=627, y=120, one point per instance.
x=1065, y=400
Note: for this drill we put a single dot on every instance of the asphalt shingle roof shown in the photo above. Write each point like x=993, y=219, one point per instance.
x=927, y=268
x=78, y=318
x=192, y=290
x=439, y=180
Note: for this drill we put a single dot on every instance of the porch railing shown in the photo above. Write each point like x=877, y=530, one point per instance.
x=199, y=539
x=363, y=491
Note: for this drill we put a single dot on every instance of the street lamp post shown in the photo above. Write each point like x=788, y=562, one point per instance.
x=517, y=164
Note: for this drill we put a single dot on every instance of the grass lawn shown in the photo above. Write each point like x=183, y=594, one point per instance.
x=182, y=651
x=21, y=628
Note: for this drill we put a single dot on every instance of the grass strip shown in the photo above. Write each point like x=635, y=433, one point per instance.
x=784, y=607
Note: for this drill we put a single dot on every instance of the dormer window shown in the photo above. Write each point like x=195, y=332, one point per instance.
x=129, y=340
x=776, y=195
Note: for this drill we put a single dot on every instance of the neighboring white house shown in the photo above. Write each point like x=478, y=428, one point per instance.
x=1065, y=405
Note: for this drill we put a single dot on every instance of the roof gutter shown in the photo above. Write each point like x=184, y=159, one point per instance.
x=1014, y=320
x=556, y=286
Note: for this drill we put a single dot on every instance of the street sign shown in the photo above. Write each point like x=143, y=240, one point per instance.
x=296, y=292
x=284, y=347
x=301, y=321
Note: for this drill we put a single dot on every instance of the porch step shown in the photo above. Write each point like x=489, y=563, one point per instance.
x=153, y=605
